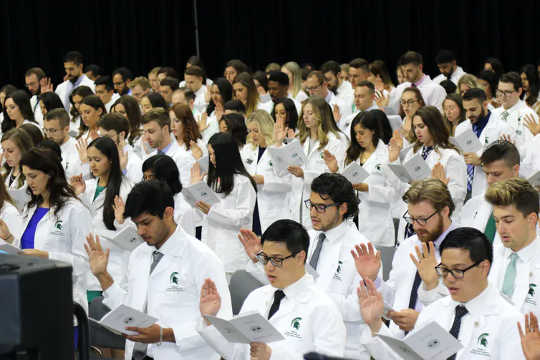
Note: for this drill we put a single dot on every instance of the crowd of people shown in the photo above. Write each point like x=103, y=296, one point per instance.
x=85, y=161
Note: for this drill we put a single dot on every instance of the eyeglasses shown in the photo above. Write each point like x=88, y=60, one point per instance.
x=314, y=88
x=320, y=208
x=408, y=102
x=274, y=260
x=456, y=273
x=51, y=131
x=504, y=93
x=422, y=221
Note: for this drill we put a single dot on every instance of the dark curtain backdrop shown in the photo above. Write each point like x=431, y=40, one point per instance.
x=141, y=35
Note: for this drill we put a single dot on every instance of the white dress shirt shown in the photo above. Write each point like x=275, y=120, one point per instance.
x=433, y=94
x=111, y=102
x=515, y=118
x=64, y=89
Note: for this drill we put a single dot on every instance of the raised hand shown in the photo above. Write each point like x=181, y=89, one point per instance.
x=82, y=146
x=381, y=100
x=279, y=133
x=405, y=319
x=196, y=174
x=395, y=146
x=45, y=85
x=438, y=172
x=119, y=208
x=532, y=124
x=366, y=261
x=210, y=301
x=336, y=113
x=530, y=338
x=330, y=161
x=425, y=261
x=78, y=184
x=507, y=138
x=204, y=207
x=251, y=242
x=371, y=305
x=471, y=158
x=203, y=124
x=5, y=234
x=296, y=171
x=97, y=257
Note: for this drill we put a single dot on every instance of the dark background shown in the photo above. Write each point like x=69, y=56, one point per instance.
x=141, y=35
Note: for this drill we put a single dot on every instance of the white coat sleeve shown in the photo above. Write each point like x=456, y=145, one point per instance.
x=244, y=203
x=456, y=171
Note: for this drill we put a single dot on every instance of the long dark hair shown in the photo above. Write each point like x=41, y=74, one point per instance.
x=82, y=91
x=95, y=102
x=191, y=129
x=164, y=168
x=108, y=148
x=228, y=163
x=236, y=126
x=22, y=100
x=532, y=77
x=156, y=100
x=134, y=116
x=46, y=160
x=432, y=118
x=51, y=101
x=368, y=120
x=225, y=89
x=292, y=113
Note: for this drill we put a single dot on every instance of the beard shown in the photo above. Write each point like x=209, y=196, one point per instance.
x=426, y=236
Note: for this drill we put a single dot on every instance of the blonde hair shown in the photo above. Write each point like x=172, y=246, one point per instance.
x=296, y=72
x=141, y=81
x=324, y=118
x=265, y=123
x=432, y=190
x=467, y=79
x=154, y=71
x=514, y=191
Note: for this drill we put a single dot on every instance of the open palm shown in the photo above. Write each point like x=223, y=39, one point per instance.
x=366, y=261
x=210, y=301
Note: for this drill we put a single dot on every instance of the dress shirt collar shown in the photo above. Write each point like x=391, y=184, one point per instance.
x=479, y=125
x=166, y=149
x=336, y=233
x=174, y=244
x=297, y=289
x=419, y=82
x=329, y=96
x=528, y=253
x=441, y=237
x=480, y=304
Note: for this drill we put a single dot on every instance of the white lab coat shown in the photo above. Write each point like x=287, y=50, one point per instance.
x=314, y=166
x=111, y=102
x=516, y=120
x=185, y=160
x=213, y=127
x=36, y=109
x=456, y=172
x=225, y=219
x=526, y=295
x=493, y=130
x=118, y=258
x=456, y=75
x=488, y=331
x=339, y=279
x=200, y=103
x=475, y=213
x=70, y=158
x=433, y=94
x=344, y=108
x=171, y=293
x=530, y=160
x=63, y=236
x=346, y=93
x=307, y=318
x=375, y=208
x=273, y=195
x=184, y=214
x=63, y=90
x=345, y=123
x=11, y=216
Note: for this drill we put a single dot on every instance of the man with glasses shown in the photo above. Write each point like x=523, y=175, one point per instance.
x=513, y=110
x=430, y=207
x=32, y=80
x=306, y=317
x=474, y=313
x=316, y=84
x=56, y=128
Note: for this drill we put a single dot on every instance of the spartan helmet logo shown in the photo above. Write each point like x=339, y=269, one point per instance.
x=174, y=278
x=482, y=339
x=58, y=225
x=295, y=323
x=531, y=289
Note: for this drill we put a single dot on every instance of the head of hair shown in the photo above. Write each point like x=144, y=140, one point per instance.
x=164, y=168
x=475, y=93
x=23, y=141
x=140, y=81
x=148, y=197
x=195, y=60
x=338, y=189
x=496, y=65
x=513, y=78
x=170, y=82
x=467, y=79
x=457, y=100
x=82, y=91
x=116, y=122
x=432, y=190
x=236, y=106
x=58, y=114
x=105, y=80
x=373, y=120
x=156, y=100
x=501, y=150
x=40, y=74
x=51, y=145
x=190, y=128
x=273, y=66
x=318, y=74
x=378, y=68
x=46, y=160
x=359, y=63
x=238, y=65
x=228, y=163
x=278, y=76
x=264, y=122
x=124, y=72
x=51, y=101
x=448, y=86
x=95, y=102
x=168, y=71
x=261, y=78
x=331, y=66
x=367, y=84
x=159, y=115
x=417, y=95
x=324, y=117
x=225, y=90
x=109, y=149
x=293, y=234
x=515, y=191
x=194, y=70
x=411, y=57
x=34, y=132
x=74, y=57
x=470, y=239
x=22, y=100
x=189, y=95
x=4, y=195
x=532, y=77
x=94, y=69
x=292, y=114
x=252, y=94
x=432, y=118
x=236, y=126
x=134, y=116
x=296, y=72
x=491, y=78
x=444, y=56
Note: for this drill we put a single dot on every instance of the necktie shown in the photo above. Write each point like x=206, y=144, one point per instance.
x=315, y=257
x=504, y=115
x=278, y=296
x=160, y=152
x=470, y=168
x=426, y=151
x=454, y=330
x=414, y=291
x=510, y=276
x=156, y=258
x=490, y=229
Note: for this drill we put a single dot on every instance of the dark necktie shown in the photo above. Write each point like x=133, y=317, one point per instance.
x=454, y=330
x=278, y=296
x=491, y=228
x=315, y=257
x=156, y=258
x=414, y=291
x=426, y=151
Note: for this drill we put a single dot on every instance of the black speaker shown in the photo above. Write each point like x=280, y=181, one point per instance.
x=36, y=308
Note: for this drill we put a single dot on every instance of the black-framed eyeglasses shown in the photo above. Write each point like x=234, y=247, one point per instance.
x=320, y=208
x=456, y=273
x=422, y=221
x=274, y=260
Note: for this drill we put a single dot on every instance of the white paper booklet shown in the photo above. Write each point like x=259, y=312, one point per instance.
x=355, y=173
x=414, y=169
x=535, y=179
x=20, y=197
x=246, y=328
x=127, y=238
x=395, y=121
x=204, y=164
x=467, y=142
x=199, y=192
x=123, y=316
x=431, y=342
x=284, y=156
x=9, y=249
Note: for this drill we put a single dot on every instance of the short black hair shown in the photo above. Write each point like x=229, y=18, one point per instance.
x=115, y=121
x=444, y=56
x=95, y=69
x=235, y=105
x=279, y=76
x=501, y=150
x=475, y=93
x=293, y=234
x=470, y=239
x=511, y=77
x=411, y=57
x=105, y=80
x=338, y=189
x=367, y=84
x=150, y=197
x=170, y=82
x=331, y=66
x=125, y=72
x=448, y=86
x=164, y=168
x=260, y=76
x=74, y=57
